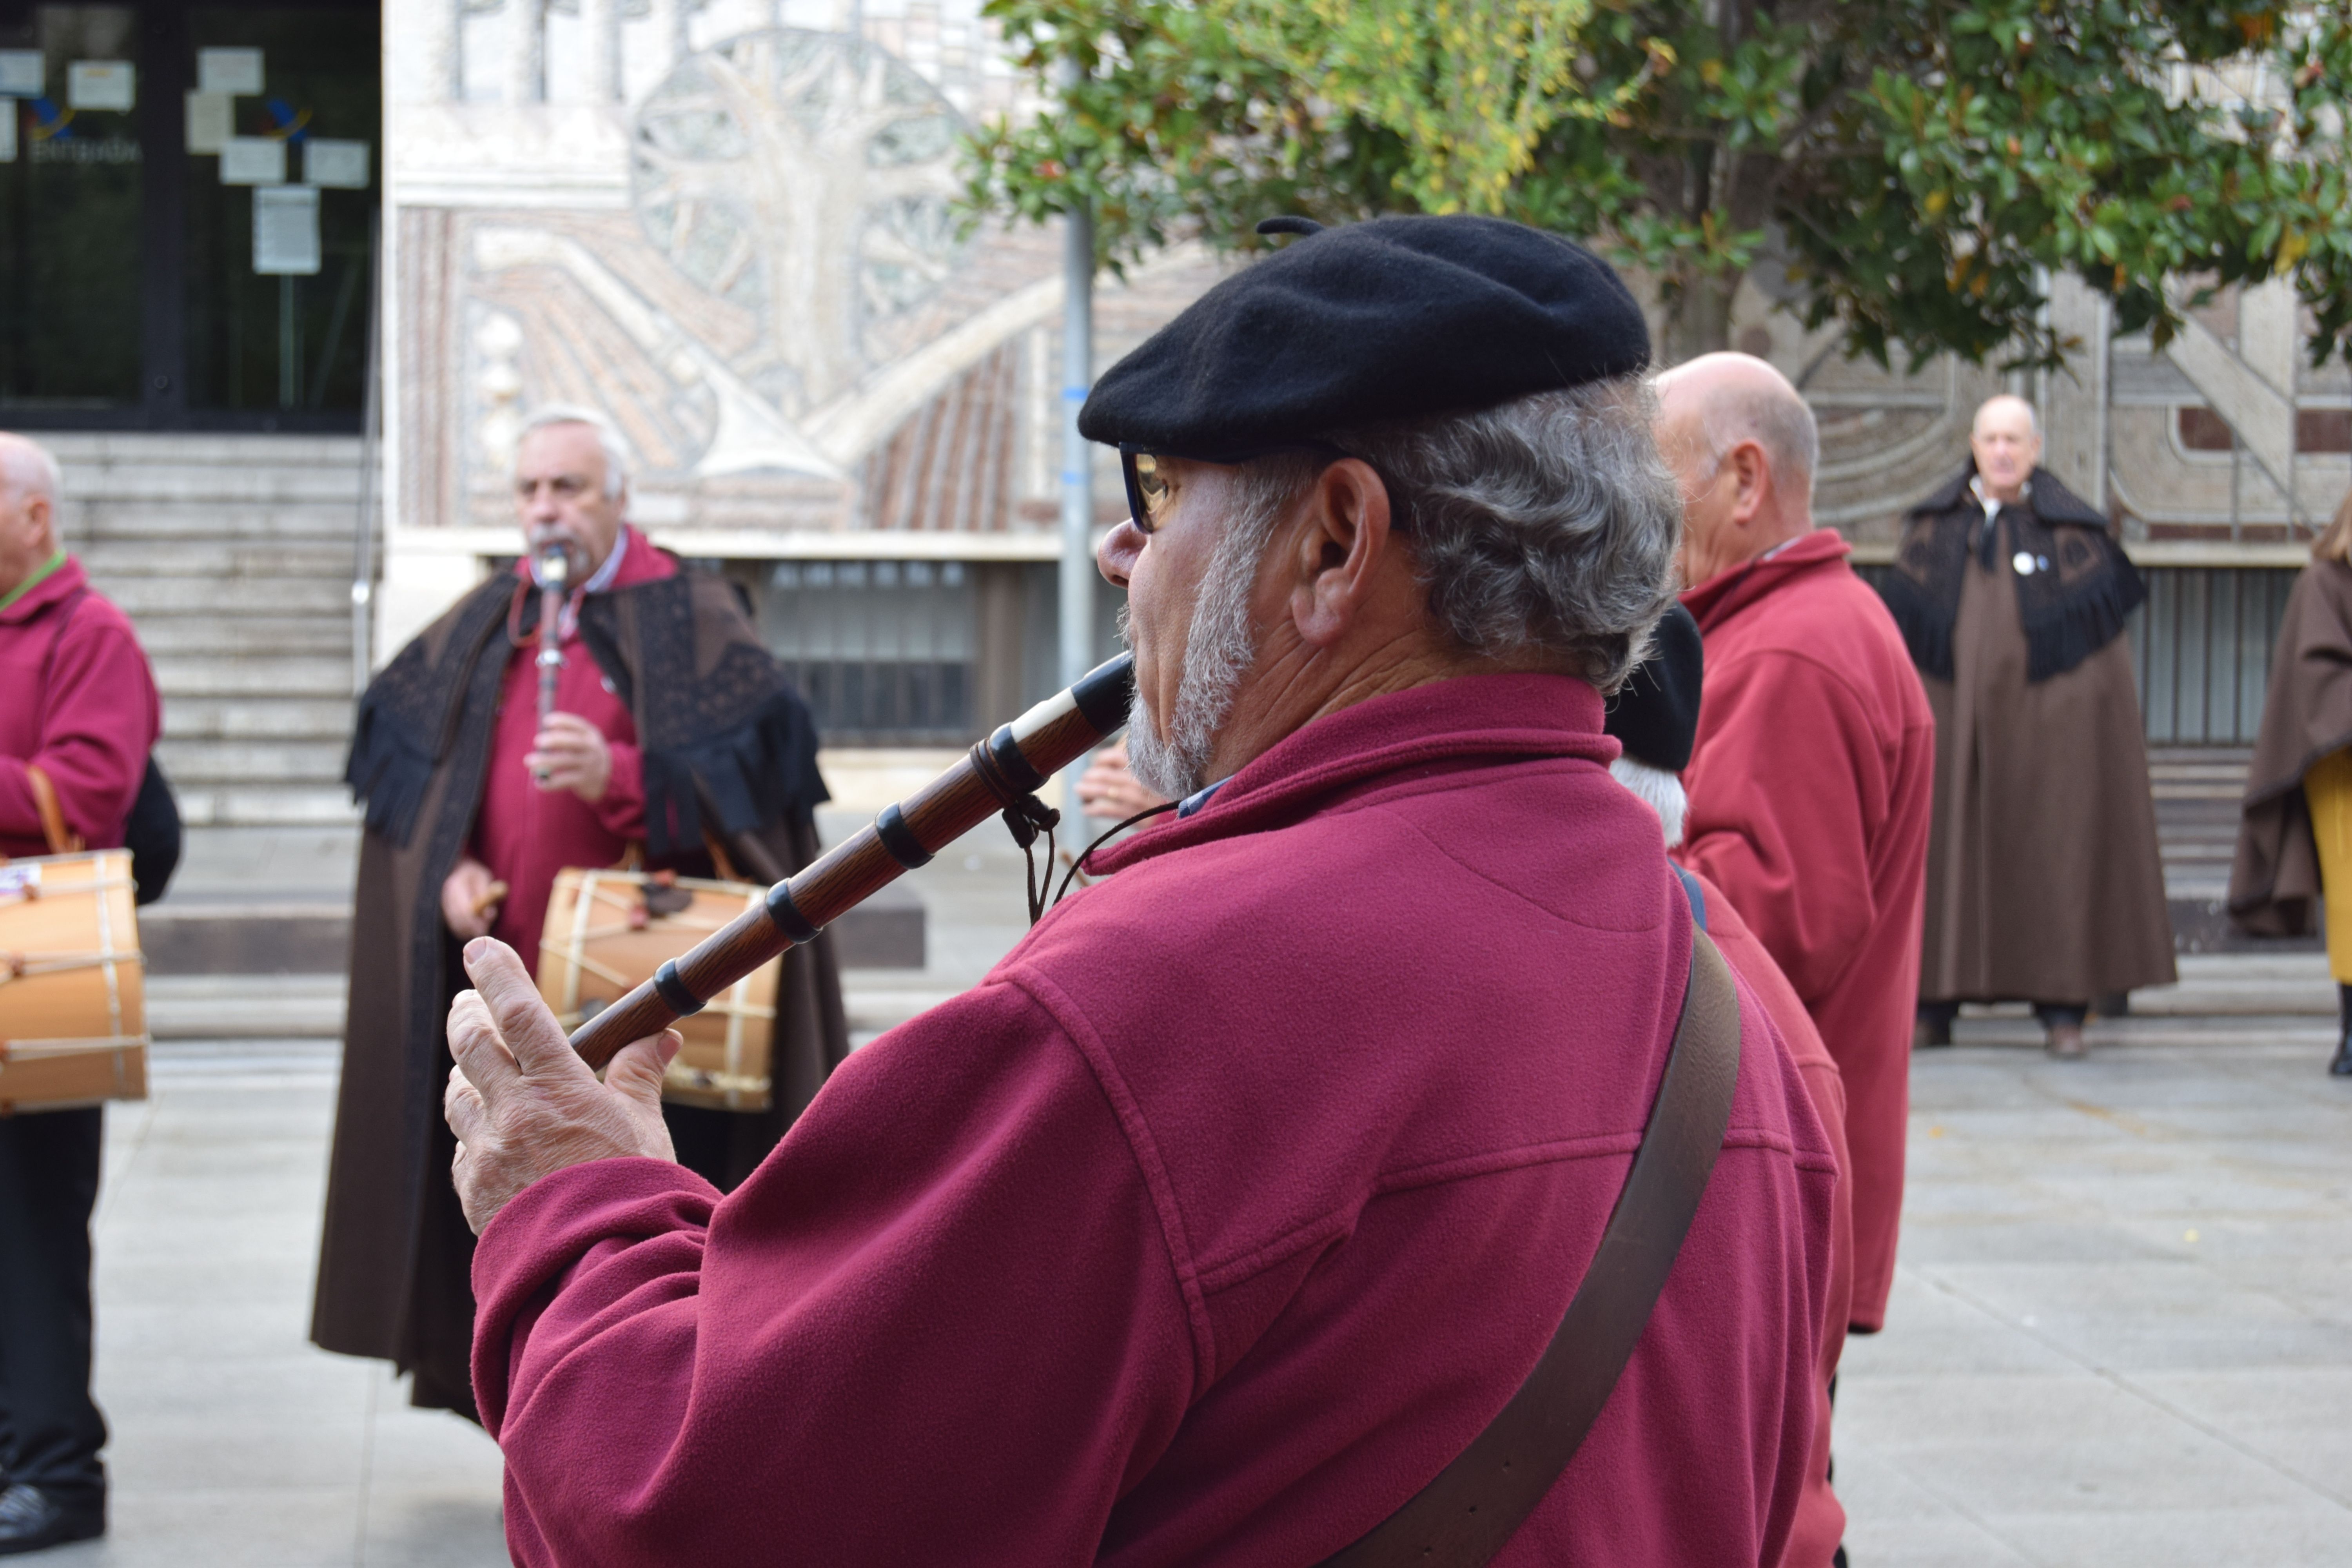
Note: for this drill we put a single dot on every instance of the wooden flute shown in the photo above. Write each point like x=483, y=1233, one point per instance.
x=1012, y=763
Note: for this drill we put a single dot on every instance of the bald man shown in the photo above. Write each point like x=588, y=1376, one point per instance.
x=1811, y=777
x=77, y=715
x=2043, y=881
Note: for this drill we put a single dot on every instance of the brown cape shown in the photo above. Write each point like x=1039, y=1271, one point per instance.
x=728, y=746
x=2044, y=883
x=2274, y=877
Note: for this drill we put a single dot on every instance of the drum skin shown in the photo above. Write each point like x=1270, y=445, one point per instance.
x=73, y=1008
x=607, y=932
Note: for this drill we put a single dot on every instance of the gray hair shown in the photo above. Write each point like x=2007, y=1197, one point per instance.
x=1546, y=524
x=26, y=465
x=1659, y=790
x=609, y=440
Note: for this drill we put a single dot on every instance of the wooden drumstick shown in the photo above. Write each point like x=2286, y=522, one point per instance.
x=1010, y=764
x=490, y=896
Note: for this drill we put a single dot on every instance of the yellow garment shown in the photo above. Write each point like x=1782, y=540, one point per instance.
x=2328, y=789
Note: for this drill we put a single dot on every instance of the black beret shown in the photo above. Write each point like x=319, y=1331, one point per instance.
x=1654, y=715
x=1399, y=318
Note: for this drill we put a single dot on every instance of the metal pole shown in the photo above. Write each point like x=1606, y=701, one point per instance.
x=1078, y=465
x=370, y=425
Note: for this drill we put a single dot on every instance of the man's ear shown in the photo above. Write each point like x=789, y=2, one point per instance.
x=1752, y=470
x=1343, y=542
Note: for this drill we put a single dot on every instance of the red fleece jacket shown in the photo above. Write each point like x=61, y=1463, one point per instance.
x=1810, y=790
x=1211, y=1225
x=78, y=700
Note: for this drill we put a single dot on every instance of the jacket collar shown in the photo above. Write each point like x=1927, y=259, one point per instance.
x=634, y=560
x=2045, y=498
x=1430, y=729
x=57, y=587
x=1736, y=587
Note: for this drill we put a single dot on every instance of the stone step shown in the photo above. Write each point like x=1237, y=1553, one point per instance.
x=216, y=597
x=257, y=718
x=228, y=763
x=111, y=560
x=100, y=450
x=237, y=635
x=244, y=1007
x=205, y=805
x=319, y=523
x=189, y=675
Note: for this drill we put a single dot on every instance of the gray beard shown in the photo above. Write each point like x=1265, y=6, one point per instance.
x=1220, y=646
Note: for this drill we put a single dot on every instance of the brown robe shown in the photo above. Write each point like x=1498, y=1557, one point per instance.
x=729, y=747
x=2044, y=883
x=2274, y=877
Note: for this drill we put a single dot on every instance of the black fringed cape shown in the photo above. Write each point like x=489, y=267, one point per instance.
x=730, y=752
x=2071, y=606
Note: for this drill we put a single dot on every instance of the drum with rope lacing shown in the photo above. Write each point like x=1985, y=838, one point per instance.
x=73, y=1006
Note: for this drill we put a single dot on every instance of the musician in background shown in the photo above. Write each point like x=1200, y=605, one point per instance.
x=670, y=723
x=78, y=716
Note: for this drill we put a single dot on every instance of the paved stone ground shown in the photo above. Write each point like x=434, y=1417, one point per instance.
x=2122, y=1323
x=2122, y=1330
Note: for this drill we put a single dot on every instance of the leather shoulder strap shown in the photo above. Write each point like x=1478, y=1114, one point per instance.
x=62, y=839
x=1462, y=1517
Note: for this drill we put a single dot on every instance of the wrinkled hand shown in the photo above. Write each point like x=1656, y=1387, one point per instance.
x=568, y=753
x=520, y=1101
x=463, y=894
x=1108, y=790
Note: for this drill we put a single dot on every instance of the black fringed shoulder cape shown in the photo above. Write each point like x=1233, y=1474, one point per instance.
x=2073, y=605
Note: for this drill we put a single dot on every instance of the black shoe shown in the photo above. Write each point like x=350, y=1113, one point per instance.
x=2341, y=1066
x=32, y=1520
x=1839, y=1561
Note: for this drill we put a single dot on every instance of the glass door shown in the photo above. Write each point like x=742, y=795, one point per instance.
x=72, y=182
x=188, y=198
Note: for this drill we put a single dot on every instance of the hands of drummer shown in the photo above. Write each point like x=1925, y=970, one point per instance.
x=1108, y=790
x=568, y=753
x=467, y=907
x=520, y=1101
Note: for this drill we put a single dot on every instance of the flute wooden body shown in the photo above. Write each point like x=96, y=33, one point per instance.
x=1014, y=761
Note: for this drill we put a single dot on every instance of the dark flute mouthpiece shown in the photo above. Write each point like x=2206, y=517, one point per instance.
x=1014, y=762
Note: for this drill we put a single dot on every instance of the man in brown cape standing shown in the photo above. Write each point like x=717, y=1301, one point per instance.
x=2043, y=880
x=675, y=730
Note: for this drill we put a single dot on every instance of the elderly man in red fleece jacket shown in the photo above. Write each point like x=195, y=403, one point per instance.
x=1243, y=1193
x=1813, y=774
x=78, y=710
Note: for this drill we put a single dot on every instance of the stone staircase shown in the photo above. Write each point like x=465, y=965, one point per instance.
x=232, y=557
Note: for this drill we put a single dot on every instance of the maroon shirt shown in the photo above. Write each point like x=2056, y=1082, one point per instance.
x=1809, y=787
x=78, y=700
x=524, y=834
x=1215, y=1222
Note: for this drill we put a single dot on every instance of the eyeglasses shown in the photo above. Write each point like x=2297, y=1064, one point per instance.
x=1149, y=495
x=1147, y=492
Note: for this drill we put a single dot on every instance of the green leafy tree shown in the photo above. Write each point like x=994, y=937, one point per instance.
x=1917, y=167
